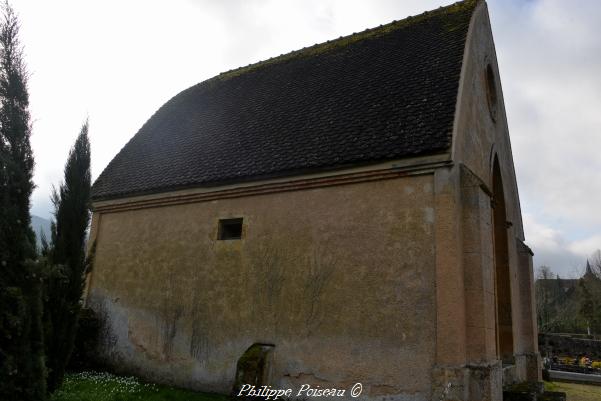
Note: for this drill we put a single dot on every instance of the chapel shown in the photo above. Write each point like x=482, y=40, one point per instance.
x=344, y=213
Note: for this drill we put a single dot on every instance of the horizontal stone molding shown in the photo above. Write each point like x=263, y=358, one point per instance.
x=205, y=195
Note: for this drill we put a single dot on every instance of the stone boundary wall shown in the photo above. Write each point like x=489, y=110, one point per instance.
x=564, y=345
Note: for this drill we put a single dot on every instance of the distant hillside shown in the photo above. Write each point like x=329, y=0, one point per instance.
x=40, y=226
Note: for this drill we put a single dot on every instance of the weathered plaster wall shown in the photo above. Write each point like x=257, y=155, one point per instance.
x=480, y=136
x=341, y=279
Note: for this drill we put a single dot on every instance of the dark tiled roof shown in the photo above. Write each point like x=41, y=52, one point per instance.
x=382, y=94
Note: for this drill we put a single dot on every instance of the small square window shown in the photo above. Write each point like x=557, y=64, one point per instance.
x=230, y=229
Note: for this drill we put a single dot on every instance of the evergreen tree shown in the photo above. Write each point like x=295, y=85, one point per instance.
x=22, y=373
x=590, y=305
x=67, y=258
x=587, y=307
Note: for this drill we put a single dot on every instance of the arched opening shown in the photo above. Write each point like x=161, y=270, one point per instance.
x=504, y=329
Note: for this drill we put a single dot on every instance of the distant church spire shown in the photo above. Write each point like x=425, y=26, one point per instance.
x=589, y=271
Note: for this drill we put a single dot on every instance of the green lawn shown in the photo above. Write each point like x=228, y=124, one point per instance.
x=576, y=392
x=100, y=386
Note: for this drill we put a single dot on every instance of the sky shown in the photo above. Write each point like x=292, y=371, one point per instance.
x=117, y=62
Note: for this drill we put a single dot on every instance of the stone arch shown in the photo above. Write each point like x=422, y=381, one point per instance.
x=504, y=318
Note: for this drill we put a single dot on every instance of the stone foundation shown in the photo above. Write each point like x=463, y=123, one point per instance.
x=529, y=367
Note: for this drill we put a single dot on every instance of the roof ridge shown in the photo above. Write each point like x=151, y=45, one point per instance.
x=346, y=39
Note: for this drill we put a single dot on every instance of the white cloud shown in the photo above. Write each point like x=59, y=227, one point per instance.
x=586, y=246
x=542, y=237
x=550, y=57
x=551, y=248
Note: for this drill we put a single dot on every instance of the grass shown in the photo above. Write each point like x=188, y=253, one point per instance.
x=101, y=386
x=576, y=392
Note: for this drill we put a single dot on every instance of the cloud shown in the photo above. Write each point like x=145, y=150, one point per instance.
x=551, y=248
x=550, y=56
x=584, y=246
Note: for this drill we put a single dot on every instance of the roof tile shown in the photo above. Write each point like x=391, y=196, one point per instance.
x=382, y=94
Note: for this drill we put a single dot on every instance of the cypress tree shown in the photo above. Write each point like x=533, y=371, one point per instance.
x=66, y=255
x=22, y=372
